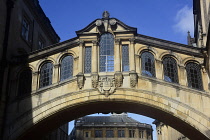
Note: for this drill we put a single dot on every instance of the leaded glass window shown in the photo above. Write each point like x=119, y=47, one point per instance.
x=106, y=53
x=148, y=64
x=66, y=67
x=88, y=59
x=170, y=70
x=46, y=72
x=24, y=83
x=25, y=29
x=109, y=133
x=98, y=133
x=194, y=76
x=125, y=58
x=121, y=133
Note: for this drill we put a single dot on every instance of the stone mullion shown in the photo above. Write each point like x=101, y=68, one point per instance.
x=35, y=84
x=94, y=58
x=132, y=55
x=117, y=65
x=81, y=57
x=159, y=69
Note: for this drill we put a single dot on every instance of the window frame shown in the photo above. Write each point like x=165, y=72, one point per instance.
x=40, y=74
x=100, y=134
x=131, y=133
x=125, y=57
x=121, y=133
x=109, y=133
x=173, y=71
x=109, y=59
x=151, y=73
x=199, y=76
x=69, y=64
x=28, y=21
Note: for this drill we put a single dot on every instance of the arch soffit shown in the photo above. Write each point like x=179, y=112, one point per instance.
x=42, y=61
x=65, y=53
x=147, y=49
x=171, y=54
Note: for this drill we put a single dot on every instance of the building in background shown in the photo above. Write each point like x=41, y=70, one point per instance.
x=165, y=132
x=114, y=127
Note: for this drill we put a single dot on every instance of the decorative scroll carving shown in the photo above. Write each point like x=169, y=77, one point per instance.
x=118, y=79
x=117, y=41
x=94, y=80
x=104, y=23
x=132, y=40
x=106, y=85
x=80, y=80
x=133, y=79
x=94, y=42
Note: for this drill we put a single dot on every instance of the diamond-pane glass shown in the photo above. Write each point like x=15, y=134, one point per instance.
x=147, y=64
x=46, y=74
x=24, y=83
x=88, y=59
x=67, y=67
x=125, y=58
x=194, y=76
x=170, y=70
x=106, y=53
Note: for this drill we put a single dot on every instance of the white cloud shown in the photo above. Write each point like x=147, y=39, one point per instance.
x=184, y=21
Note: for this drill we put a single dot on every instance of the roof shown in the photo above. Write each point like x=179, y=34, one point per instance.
x=116, y=120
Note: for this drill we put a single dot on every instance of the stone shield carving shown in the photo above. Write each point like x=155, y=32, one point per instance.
x=94, y=80
x=106, y=85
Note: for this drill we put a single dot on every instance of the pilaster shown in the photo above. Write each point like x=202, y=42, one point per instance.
x=159, y=69
x=81, y=54
x=182, y=76
x=117, y=65
x=132, y=55
x=55, y=77
x=34, y=80
x=94, y=57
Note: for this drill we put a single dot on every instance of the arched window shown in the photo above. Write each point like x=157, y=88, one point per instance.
x=170, y=70
x=24, y=82
x=194, y=76
x=46, y=72
x=66, y=67
x=106, y=53
x=147, y=64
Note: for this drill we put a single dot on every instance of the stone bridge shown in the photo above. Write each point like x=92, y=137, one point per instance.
x=108, y=67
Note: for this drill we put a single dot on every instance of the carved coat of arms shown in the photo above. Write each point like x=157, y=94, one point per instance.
x=106, y=85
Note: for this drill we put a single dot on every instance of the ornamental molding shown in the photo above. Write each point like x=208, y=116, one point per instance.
x=133, y=79
x=104, y=23
x=118, y=79
x=80, y=80
x=94, y=80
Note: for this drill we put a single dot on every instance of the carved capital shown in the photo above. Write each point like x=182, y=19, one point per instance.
x=94, y=80
x=118, y=79
x=94, y=42
x=56, y=65
x=81, y=42
x=117, y=41
x=80, y=80
x=132, y=40
x=133, y=79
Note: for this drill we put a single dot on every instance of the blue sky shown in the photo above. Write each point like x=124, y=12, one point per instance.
x=164, y=19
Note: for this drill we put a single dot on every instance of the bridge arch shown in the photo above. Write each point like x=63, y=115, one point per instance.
x=182, y=117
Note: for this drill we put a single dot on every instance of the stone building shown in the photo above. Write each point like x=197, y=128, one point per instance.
x=107, y=67
x=114, y=127
x=24, y=28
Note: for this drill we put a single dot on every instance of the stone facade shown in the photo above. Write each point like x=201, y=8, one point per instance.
x=114, y=127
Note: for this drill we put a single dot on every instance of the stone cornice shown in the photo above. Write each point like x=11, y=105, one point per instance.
x=169, y=45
